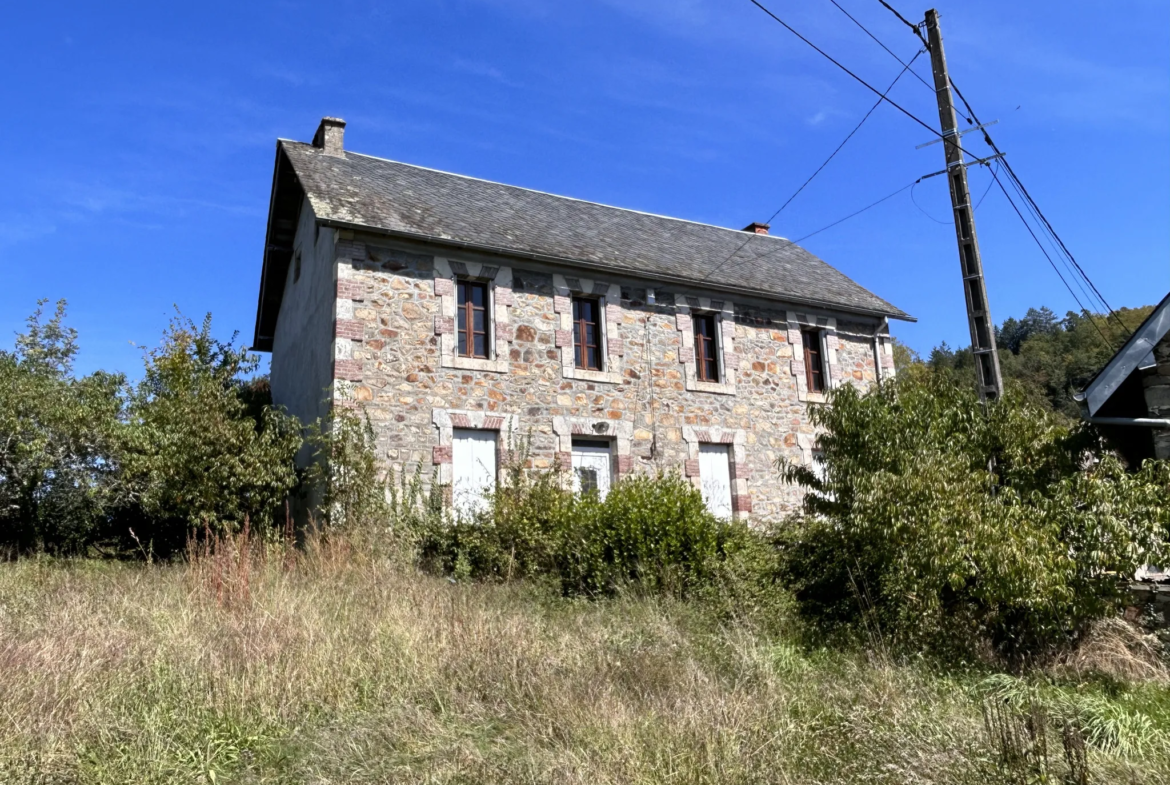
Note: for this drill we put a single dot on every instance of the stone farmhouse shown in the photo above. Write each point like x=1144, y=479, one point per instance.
x=465, y=317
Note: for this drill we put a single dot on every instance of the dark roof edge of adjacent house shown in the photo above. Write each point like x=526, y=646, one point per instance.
x=288, y=194
x=1129, y=358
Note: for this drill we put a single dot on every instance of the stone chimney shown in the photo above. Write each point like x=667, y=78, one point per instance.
x=754, y=227
x=330, y=136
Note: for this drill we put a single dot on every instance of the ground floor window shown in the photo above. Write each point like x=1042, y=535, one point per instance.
x=592, y=466
x=473, y=459
x=715, y=478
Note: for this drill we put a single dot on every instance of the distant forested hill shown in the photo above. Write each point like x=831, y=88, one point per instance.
x=1051, y=358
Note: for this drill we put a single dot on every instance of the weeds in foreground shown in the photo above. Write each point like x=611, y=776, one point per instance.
x=338, y=663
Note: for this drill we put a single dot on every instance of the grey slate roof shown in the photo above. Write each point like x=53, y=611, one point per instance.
x=372, y=192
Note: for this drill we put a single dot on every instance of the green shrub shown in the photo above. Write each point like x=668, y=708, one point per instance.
x=937, y=524
x=343, y=484
x=198, y=452
x=651, y=533
x=517, y=535
x=58, y=482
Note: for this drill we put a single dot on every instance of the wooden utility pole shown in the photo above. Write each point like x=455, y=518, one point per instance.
x=987, y=373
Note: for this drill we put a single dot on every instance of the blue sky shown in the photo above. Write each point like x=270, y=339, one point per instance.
x=139, y=138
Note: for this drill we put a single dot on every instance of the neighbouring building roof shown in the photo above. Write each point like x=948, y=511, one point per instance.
x=1136, y=354
x=350, y=190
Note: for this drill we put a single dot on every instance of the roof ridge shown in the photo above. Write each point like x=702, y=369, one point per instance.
x=558, y=196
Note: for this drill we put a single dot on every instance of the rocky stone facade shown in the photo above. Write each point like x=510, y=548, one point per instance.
x=394, y=356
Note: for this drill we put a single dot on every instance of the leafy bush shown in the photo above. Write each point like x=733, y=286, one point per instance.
x=940, y=524
x=198, y=452
x=653, y=532
x=518, y=535
x=650, y=533
x=57, y=435
x=343, y=483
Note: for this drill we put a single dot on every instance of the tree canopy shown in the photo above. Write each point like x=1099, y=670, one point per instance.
x=1048, y=357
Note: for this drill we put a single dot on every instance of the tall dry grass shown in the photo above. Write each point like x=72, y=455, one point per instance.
x=329, y=664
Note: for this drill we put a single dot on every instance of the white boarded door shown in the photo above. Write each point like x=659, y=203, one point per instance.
x=592, y=464
x=715, y=478
x=473, y=460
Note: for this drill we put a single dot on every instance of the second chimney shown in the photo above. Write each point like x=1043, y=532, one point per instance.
x=330, y=136
x=757, y=228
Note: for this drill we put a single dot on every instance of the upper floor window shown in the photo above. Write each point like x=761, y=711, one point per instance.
x=814, y=364
x=473, y=312
x=706, y=347
x=587, y=333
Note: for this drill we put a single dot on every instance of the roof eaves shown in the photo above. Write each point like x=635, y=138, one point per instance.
x=1127, y=360
x=634, y=272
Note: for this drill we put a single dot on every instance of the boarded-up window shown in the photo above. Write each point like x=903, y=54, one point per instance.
x=715, y=478
x=473, y=459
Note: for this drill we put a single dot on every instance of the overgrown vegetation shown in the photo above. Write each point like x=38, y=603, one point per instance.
x=938, y=526
x=57, y=433
x=96, y=463
x=650, y=534
x=268, y=655
x=335, y=662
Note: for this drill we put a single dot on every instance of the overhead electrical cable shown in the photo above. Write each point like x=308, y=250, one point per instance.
x=905, y=21
x=862, y=210
x=879, y=43
x=986, y=190
x=1026, y=197
x=867, y=85
x=1080, y=281
x=856, y=128
x=1044, y=251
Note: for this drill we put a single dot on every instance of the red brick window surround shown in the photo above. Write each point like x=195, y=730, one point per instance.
x=473, y=319
x=587, y=334
x=706, y=347
x=814, y=365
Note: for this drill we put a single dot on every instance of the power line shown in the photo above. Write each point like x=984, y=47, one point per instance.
x=862, y=210
x=1044, y=251
x=856, y=128
x=1040, y=214
x=879, y=43
x=1071, y=271
x=1026, y=197
x=867, y=85
x=906, y=22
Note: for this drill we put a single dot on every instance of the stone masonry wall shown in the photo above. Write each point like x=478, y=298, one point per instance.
x=392, y=356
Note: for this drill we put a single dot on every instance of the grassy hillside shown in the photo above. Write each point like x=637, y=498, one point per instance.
x=330, y=666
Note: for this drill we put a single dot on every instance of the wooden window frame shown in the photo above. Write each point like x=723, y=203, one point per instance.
x=465, y=309
x=706, y=348
x=580, y=346
x=814, y=361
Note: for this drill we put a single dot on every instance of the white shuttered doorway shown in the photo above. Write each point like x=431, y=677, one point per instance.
x=473, y=459
x=715, y=478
